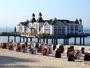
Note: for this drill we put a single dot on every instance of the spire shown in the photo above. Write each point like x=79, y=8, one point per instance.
x=80, y=20
x=40, y=19
x=40, y=14
x=76, y=21
x=33, y=18
x=33, y=15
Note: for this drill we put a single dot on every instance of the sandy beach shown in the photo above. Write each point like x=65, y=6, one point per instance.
x=13, y=59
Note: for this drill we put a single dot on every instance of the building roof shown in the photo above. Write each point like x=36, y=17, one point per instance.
x=25, y=23
x=55, y=21
x=33, y=18
x=22, y=23
x=68, y=21
x=51, y=21
x=40, y=19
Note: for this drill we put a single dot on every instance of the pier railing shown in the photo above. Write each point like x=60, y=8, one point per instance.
x=42, y=35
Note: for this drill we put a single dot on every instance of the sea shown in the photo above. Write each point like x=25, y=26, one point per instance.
x=60, y=41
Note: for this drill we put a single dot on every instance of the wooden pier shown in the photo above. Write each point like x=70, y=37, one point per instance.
x=45, y=37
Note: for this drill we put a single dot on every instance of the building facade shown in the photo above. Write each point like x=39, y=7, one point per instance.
x=51, y=27
x=74, y=27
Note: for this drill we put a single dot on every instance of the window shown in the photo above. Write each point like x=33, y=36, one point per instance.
x=76, y=27
x=79, y=30
x=68, y=27
x=63, y=31
x=55, y=31
x=32, y=30
x=47, y=31
x=59, y=31
x=72, y=27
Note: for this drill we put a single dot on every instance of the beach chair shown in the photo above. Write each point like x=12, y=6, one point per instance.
x=87, y=56
x=58, y=53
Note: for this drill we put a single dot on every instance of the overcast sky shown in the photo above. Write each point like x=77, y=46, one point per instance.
x=14, y=11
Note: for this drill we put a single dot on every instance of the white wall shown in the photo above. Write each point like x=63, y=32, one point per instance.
x=42, y=27
x=36, y=25
x=80, y=27
x=51, y=30
x=21, y=28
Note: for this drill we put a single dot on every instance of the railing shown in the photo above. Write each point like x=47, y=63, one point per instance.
x=41, y=35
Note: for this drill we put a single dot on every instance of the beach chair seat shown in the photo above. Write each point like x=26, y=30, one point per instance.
x=58, y=53
x=11, y=47
x=45, y=51
x=71, y=56
x=4, y=46
x=87, y=57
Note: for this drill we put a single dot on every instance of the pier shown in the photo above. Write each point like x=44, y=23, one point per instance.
x=54, y=39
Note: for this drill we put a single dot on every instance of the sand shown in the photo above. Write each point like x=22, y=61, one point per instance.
x=13, y=59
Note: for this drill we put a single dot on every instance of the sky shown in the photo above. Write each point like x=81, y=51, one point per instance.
x=14, y=11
